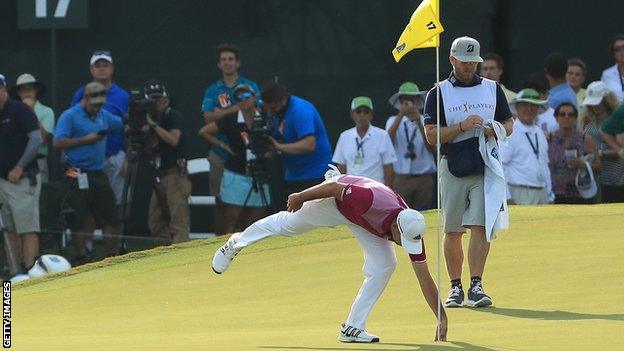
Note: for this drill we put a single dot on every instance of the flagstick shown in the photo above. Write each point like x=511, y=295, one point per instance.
x=438, y=176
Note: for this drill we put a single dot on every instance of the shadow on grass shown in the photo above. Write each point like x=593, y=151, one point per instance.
x=447, y=346
x=548, y=315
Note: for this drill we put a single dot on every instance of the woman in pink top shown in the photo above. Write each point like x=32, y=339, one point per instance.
x=376, y=215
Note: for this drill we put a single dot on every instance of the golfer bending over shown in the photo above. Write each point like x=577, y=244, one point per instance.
x=377, y=217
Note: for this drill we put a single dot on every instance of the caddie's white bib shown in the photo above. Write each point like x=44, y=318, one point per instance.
x=461, y=102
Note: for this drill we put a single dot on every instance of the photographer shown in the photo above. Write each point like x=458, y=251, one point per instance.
x=239, y=188
x=301, y=138
x=168, y=210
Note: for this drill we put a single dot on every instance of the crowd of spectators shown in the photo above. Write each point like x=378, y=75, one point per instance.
x=565, y=137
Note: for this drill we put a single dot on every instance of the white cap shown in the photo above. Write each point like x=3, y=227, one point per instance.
x=25, y=78
x=466, y=49
x=101, y=55
x=411, y=225
x=584, y=180
x=595, y=92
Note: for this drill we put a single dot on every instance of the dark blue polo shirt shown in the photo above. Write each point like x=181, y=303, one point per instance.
x=16, y=121
x=117, y=104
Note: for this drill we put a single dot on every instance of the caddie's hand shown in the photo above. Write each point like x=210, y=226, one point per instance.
x=294, y=202
x=489, y=131
x=441, y=330
x=472, y=122
x=15, y=174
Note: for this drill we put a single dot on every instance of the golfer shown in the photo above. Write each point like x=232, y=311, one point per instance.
x=377, y=217
x=470, y=106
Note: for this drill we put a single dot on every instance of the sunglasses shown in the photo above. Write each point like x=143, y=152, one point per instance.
x=618, y=48
x=244, y=96
x=97, y=94
x=362, y=110
x=566, y=114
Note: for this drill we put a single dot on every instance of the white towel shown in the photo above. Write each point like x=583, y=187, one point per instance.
x=494, y=184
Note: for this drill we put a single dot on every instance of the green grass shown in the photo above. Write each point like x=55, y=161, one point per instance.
x=555, y=278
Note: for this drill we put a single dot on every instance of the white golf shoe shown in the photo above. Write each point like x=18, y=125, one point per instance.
x=224, y=255
x=353, y=334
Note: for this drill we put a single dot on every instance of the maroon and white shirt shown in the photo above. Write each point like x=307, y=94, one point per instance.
x=373, y=206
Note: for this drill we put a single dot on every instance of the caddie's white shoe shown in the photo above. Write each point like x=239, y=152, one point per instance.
x=224, y=255
x=353, y=334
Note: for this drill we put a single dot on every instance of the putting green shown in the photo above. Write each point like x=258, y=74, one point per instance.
x=555, y=278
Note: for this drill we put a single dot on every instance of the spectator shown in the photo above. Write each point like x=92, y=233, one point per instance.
x=29, y=91
x=415, y=167
x=600, y=104
x=169, y=213
x=575, y=77
x=492, y=68
x=20, y=185
x=613, y=76
x=612, y=128
x=81, y=131
x=565, y=149
x=555, y=68
x=525, y=157
x=300, y=137
x=217, y=104
x=545, y=120
x=102, y=70
x=468, y=106
x=242, y=198
x=372, y=153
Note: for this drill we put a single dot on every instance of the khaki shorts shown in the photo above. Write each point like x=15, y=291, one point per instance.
x=216, y=173
x=463, y=201
x=20, y=205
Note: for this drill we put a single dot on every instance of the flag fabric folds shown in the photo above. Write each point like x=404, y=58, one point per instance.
x=422, y=31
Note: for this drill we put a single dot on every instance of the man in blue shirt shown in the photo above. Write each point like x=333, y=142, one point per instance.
x=216, y=104
x=556, y=67
x=101, y=68
x=81, y=133
x=300, y=136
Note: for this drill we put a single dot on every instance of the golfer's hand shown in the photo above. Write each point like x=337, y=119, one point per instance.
x=15, y=174
x=294, y=203
x=472, y=122
x=441, y=330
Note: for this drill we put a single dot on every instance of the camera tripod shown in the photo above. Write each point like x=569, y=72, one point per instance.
x=127, y=197
x=259, y=178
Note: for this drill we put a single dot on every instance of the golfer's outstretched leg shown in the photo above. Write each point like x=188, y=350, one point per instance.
x=379, y=263
x=313, y=214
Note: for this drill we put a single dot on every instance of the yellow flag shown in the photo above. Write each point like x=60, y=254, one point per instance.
x=422, y=31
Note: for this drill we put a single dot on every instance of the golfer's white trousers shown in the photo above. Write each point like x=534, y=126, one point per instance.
x=379, y=255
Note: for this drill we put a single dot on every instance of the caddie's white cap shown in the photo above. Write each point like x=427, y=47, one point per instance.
x=596, y=91
x=411, y=225
x=466, y=49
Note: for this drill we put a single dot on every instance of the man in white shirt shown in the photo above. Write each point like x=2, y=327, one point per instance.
x=415, y=167
x=525, y=157
x=613, y=76
x=365, y=150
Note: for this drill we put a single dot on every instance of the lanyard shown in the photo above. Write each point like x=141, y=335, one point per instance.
x=359, y=146
x=534, y=147
x=410, y=141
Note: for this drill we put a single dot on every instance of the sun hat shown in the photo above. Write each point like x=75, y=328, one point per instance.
x=409, y=89
x=360, y=101
x=530, y=96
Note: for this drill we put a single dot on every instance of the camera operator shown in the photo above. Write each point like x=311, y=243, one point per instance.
x=168, y=210
x=301, y=138
x=240, y=184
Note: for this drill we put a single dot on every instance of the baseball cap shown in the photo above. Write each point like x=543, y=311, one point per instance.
x=101, y=55
x=411, y=225
x=154, y=89
x=2, y=80
x=530, y=96
x=95, y=93
x=360, y=101
x=584, y=180
x=466, y=49
x=596, y=91
x=407, y=88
